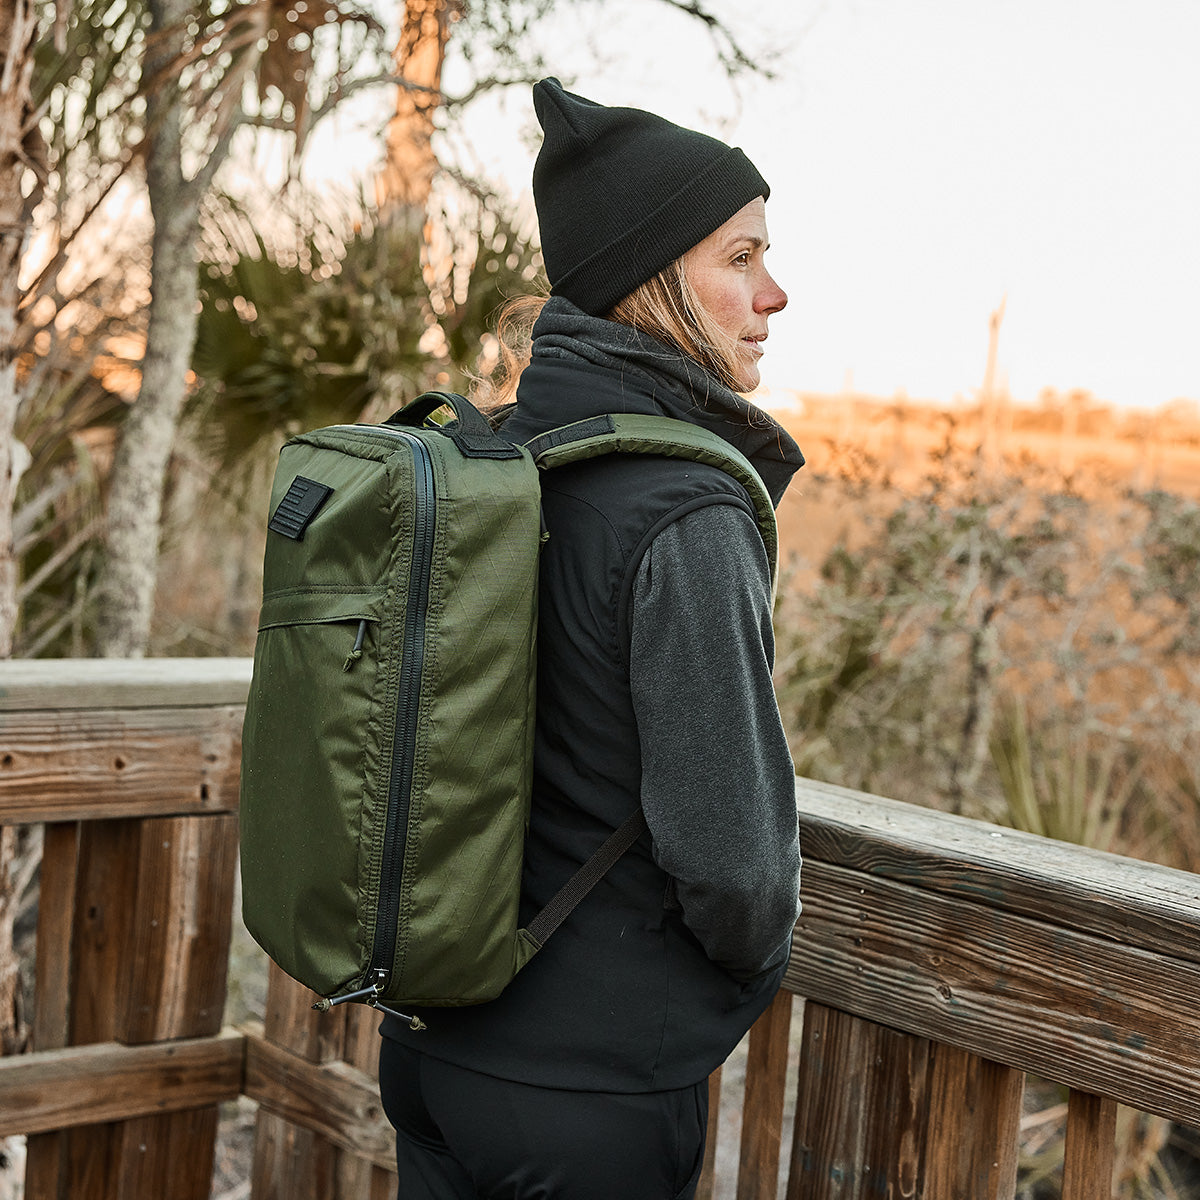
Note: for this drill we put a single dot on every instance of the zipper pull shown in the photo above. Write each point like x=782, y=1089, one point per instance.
x=356, y=653
x=414, y=1023
x=366, y=994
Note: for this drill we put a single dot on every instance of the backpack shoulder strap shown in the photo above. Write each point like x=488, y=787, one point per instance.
x=635, y=433
x=639, y=433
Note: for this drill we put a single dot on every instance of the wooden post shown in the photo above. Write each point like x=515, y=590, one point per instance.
x=974, y=1118
x=705, y=1189
x=52, y=988
x=1091, y=1147
x=762, y=1110
x=860, y=1110
x=149, y=947
x=290, y=1161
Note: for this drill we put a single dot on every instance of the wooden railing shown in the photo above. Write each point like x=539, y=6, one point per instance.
x=937, y=960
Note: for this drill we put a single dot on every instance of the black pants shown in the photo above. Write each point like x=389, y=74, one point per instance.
x=466, y=1136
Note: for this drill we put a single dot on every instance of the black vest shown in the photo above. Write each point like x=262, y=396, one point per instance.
x=622, y=997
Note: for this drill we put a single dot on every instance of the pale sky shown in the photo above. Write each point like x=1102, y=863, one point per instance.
x=929, y=158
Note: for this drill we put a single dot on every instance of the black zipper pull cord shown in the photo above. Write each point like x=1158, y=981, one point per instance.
x=356, y=653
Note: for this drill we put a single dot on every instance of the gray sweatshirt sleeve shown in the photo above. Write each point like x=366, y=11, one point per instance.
x=718, y=785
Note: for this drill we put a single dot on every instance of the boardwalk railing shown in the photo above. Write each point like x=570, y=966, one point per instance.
x=937, y=960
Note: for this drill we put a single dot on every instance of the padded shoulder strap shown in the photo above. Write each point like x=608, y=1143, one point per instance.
x=639, y=433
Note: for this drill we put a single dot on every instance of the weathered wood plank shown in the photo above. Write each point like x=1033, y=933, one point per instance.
x=360, y=1046
x=105, y=895
x=52, y=991
x=122, y=682
x=163, y=1156
x=43, y=1166
x=972, y=1126
x=290, y=1020
x=1067, y=1005
x=290, y=1158
x=180, y=922
x=290, y=1162
x=333, y=1099
x=85, y=765
x=1091, y=1147
x=861, y=1110
x=86, y=1085
x=1122, y=899
x=383, y=1184
x=56, y=920
x=708, y=1173
x=762, y=1109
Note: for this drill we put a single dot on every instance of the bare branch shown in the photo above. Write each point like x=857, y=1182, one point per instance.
x=730, y=52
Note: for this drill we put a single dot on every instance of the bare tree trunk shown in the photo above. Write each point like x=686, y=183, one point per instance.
x=17, y=28
x=128, y=577
x=408, y=173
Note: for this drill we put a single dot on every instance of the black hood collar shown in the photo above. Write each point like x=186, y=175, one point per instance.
x=583, y=366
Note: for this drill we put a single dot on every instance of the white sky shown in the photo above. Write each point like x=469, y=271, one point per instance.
x=928, y=158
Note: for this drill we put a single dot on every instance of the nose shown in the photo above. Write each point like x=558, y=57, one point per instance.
x=770, y=298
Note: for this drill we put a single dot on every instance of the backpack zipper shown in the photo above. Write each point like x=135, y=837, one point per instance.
x=383, y=951
x=391, y=868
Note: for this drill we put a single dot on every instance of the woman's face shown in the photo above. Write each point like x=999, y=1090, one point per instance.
x=728, y=276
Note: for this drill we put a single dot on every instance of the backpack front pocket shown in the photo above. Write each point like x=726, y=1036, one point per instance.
x=310, y=763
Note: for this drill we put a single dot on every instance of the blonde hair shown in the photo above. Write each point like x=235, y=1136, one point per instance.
x=665, y=307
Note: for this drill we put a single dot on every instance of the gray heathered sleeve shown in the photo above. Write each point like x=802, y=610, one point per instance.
x=718, y=783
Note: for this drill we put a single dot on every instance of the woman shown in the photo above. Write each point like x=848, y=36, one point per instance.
x=587, y=1078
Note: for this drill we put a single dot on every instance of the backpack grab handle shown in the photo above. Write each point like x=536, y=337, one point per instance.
x=469, y=431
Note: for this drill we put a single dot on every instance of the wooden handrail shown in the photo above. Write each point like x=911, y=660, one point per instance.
x=1079, y=966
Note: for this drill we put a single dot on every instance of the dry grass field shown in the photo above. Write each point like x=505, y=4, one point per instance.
x=1097, y=450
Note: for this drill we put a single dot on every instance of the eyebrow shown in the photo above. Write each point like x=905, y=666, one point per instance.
x=754, y=242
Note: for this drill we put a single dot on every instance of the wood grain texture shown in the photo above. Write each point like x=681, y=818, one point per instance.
x=1091, y=1147
x=707, y=1185
x=332, y=1099
x=861, y=1107
x=55, y=929
x=762, y=1108
x=87, y=765
x=1070, y=1006
x=290, y=1162
x=44, y=1152
x=1125, y=900
x=291, y=1022
x=174, y=983
x=164, y=1156
x=105, y=898
x=75, y=683
x=972, y=1127
x=383, y=1184
x=86, y=1085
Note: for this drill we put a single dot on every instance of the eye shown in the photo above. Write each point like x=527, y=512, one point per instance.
x=743, y=259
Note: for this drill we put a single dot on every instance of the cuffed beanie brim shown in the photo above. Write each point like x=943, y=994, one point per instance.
x=622, y=193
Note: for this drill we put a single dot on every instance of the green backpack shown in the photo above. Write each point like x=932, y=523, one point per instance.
x=388, y=737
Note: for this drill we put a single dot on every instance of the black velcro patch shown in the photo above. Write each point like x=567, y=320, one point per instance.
x=298, y=507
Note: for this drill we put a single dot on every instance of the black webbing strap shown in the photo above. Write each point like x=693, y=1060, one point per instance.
x=576, y=432
x=559, y=907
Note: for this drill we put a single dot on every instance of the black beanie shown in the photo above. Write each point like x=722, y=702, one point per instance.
x=621, y=193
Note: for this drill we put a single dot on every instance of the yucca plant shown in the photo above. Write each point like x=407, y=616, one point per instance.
x=1063, y=781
